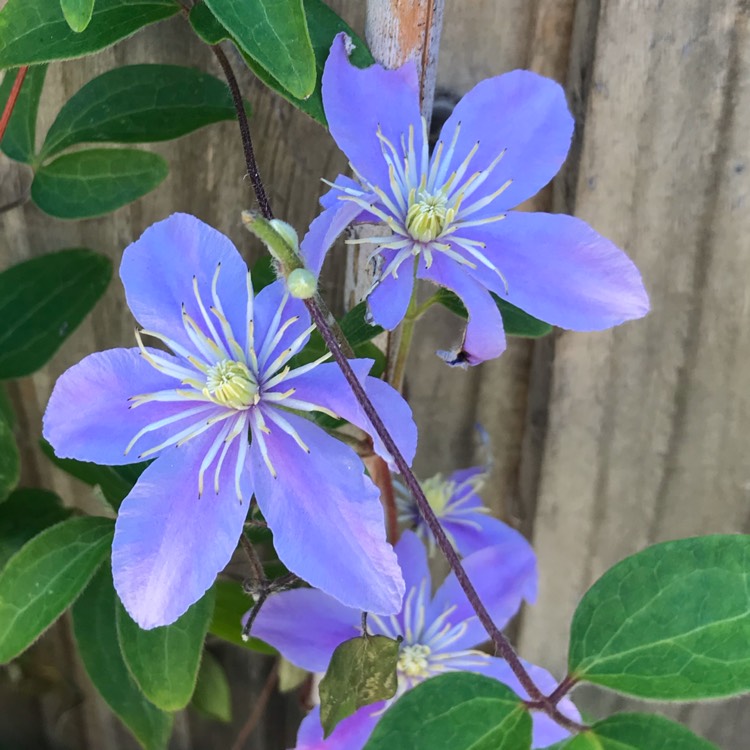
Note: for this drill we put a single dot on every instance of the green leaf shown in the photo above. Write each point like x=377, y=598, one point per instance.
x=212, y=695
x=45, y=576
x=19, y=141
x=42, y=301
x=35, y=31
x=115, y=482
x=669, y=623
x=362, y=671
x=10, y=461
x=457, y=711
x=6, y=407
x=164, y=661
x=231, y=604
x=77, y=13
x=274, y=34
x=94, y=182
x=323, y=24
x=95, y=629
x=636, y=732
x=356, y=328
x=140, y=104
x=516, y=322
x=26, y=513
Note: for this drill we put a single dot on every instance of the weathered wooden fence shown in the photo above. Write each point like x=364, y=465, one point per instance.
x=604, y=442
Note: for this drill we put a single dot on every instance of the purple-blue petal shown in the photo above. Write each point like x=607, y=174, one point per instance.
x=545, y=731
x=326, y=386
x=89, y=417
x=358, y=102
x=522, y=113
x=561, y=271
x=388, y=301
x=170, y=543
x=481, y=530
x=503, y=576
x=326, y=228
x=350, y=734
x=412, y=557
x=157, y=271
x=331, y=198
x=306, y=626
x=327, y=518
x=484, y=337
x=272, y=303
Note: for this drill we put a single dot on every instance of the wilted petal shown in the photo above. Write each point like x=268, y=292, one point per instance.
x=561, y=271
x=350, y=734
x=326, y=517
x=353, y=102
x=484, y=337
x=157, y=271
x=503, y=576
x=306, y=626
x=521, y=113
x=326, y=386
x=170, y=543
x=89, y=416
x=546, y=731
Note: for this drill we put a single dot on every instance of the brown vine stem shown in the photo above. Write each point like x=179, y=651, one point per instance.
x=502, y=645
x=12, y=99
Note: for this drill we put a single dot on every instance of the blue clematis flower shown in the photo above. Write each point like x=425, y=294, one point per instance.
x=440, y=634
x=228, y=377
x=447, y=215
x=456, y=502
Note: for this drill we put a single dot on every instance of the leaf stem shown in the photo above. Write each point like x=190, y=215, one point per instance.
x=247, y=143
x=12, y=99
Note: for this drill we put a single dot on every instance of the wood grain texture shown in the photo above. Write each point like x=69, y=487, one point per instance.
x=604, y=442
x=648, y=424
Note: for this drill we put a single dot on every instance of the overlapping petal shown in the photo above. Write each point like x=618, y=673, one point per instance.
x=389, y=299
x=326, y=386
x=350, y=734
x=90, y=418
x=503, y=576
x=484, y=337
x=322, y=507
x=524, y=117
x=306, y=626
x=545, y=730
x=157, y=271
x=353, y=103
x=170, y=543
x=560, y=270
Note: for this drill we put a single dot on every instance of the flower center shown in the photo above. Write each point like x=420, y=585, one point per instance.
x=414, y=661
x=438, y=492
x=230, y=383
x=427, y=216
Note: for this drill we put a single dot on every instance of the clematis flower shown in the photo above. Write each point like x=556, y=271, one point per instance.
x=446, y=215
x=228, y=376
x=456, y=502
x=440, y=634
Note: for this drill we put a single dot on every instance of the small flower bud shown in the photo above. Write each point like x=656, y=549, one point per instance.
x=287, y=232
x=301, y=283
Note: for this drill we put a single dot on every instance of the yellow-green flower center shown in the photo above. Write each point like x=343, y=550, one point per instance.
x=438, y=492
x=414, y=661
x=230, y=383
x=427, y=216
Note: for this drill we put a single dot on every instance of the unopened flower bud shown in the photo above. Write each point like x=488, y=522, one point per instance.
x=301, y=283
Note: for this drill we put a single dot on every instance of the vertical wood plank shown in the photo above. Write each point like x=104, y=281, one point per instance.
x=648, y=424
